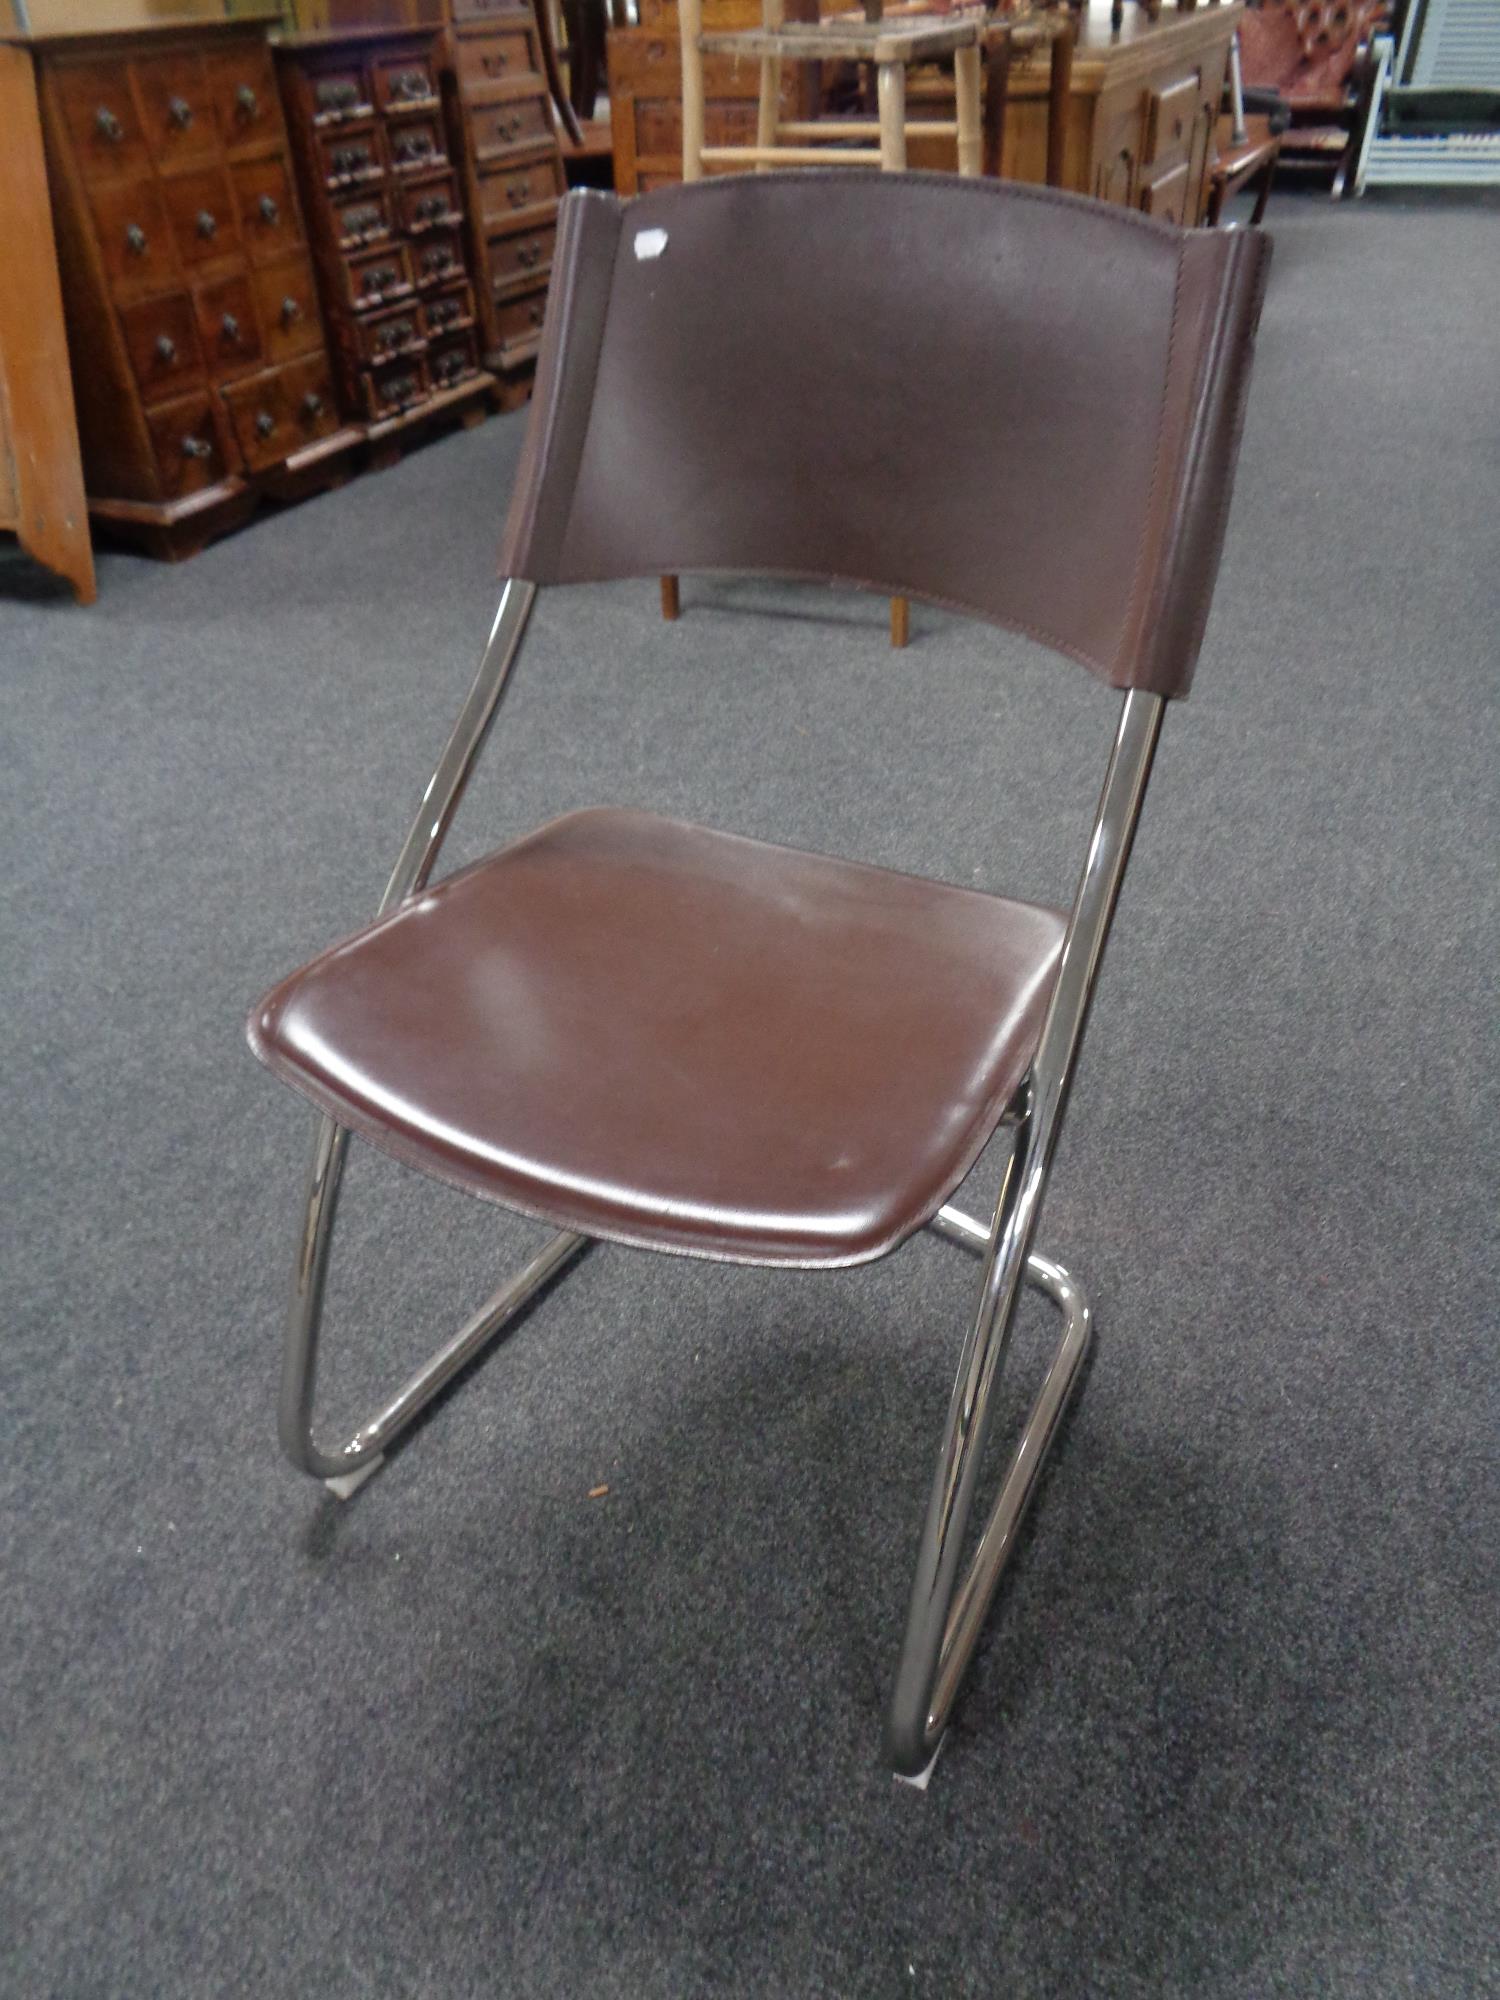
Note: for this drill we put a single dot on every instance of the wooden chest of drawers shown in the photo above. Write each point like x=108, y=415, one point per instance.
x=502, y=118
x=383, y=195
x=200, y=368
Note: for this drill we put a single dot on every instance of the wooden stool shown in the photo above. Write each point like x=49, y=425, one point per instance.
x=889, y=45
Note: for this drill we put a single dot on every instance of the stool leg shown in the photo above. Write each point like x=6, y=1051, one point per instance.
x=768, y=116
x=671, y=602
x=1059, y=96
x=891, y=89
x=690, y=21
x=966, y=85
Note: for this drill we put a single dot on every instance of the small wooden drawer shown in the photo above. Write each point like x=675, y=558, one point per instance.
x=387, y=336
x=286, y=299
x=514, y=260
x=396, y=387
x=187, y=444
x=510, y=124
x=279, y=412
x=349, y=158
x=416, y=144
x=102, y=119
x=339, y=95
x=377, y=277
x=519, y=321
x=269, y=222
x=204, y=219
x=362, y=218
x=227, y=327
x=161, y=338
x=134, y=239
x=512, y=190
x=495, y=58
x=1168, y=195
x=312, y=410
x=449, y=310
x=242, y=88
x=176, y=109
x=438, y=257
x=425, y=205
x=404, y=83
x=452, y=359
x=1170, y=116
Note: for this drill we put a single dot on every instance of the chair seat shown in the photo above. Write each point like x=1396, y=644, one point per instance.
x=679, y=1038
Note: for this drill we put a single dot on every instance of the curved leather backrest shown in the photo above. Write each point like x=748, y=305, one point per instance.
x=1017, y=403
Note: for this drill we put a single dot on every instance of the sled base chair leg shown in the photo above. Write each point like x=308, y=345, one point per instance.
x=974, y=1596
x=347, y=1468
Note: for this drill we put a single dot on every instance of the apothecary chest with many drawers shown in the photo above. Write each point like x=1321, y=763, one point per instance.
x=385, y=206
x=200, y=369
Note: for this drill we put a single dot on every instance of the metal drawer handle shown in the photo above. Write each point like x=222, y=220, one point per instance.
x=166, y=349
x=108, y=126
x=312, y=405
x=499, y=60
x=290, y=311
x=518, y=191
x=135, y=240
x=246, y=102
x=528, y=254
x=269, y=212
x=229, y=326
x=265, y=423
x=196, y=447
x=207, y=225
x=180, y=112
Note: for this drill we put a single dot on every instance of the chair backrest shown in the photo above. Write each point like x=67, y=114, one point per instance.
x=1017, y=403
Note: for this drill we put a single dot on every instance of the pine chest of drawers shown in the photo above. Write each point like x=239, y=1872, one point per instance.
x=384, y=200
x=200, y=368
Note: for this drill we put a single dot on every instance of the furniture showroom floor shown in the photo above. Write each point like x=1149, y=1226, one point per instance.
x=1234, y=1728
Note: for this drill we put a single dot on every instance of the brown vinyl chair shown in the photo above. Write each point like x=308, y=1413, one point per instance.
x=656, y=1034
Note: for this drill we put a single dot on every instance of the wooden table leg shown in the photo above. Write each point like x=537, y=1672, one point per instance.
x=671, y=601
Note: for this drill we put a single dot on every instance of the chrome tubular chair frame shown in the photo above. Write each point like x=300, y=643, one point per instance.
x=947, y=1612
x=945, y=1619
x=347, y=1468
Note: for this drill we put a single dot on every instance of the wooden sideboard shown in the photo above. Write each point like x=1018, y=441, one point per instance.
x=1141, y=115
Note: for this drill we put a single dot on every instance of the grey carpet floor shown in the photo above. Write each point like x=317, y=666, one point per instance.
x=1234, y=1728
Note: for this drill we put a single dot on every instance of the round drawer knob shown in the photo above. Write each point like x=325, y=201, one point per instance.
x=196, y=447
x=246, y=102
x=107, y=125
x=265, y=423
x=207, y=223
x=181, y=113
x=166, y=349
x=135, y=240
x=290, y=311
x=229, y=326
x=535, y=315
x=269, y=212
x=312, y=405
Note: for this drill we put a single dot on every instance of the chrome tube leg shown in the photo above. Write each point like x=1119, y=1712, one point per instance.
x=944, y=1620
x=350, y=1465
